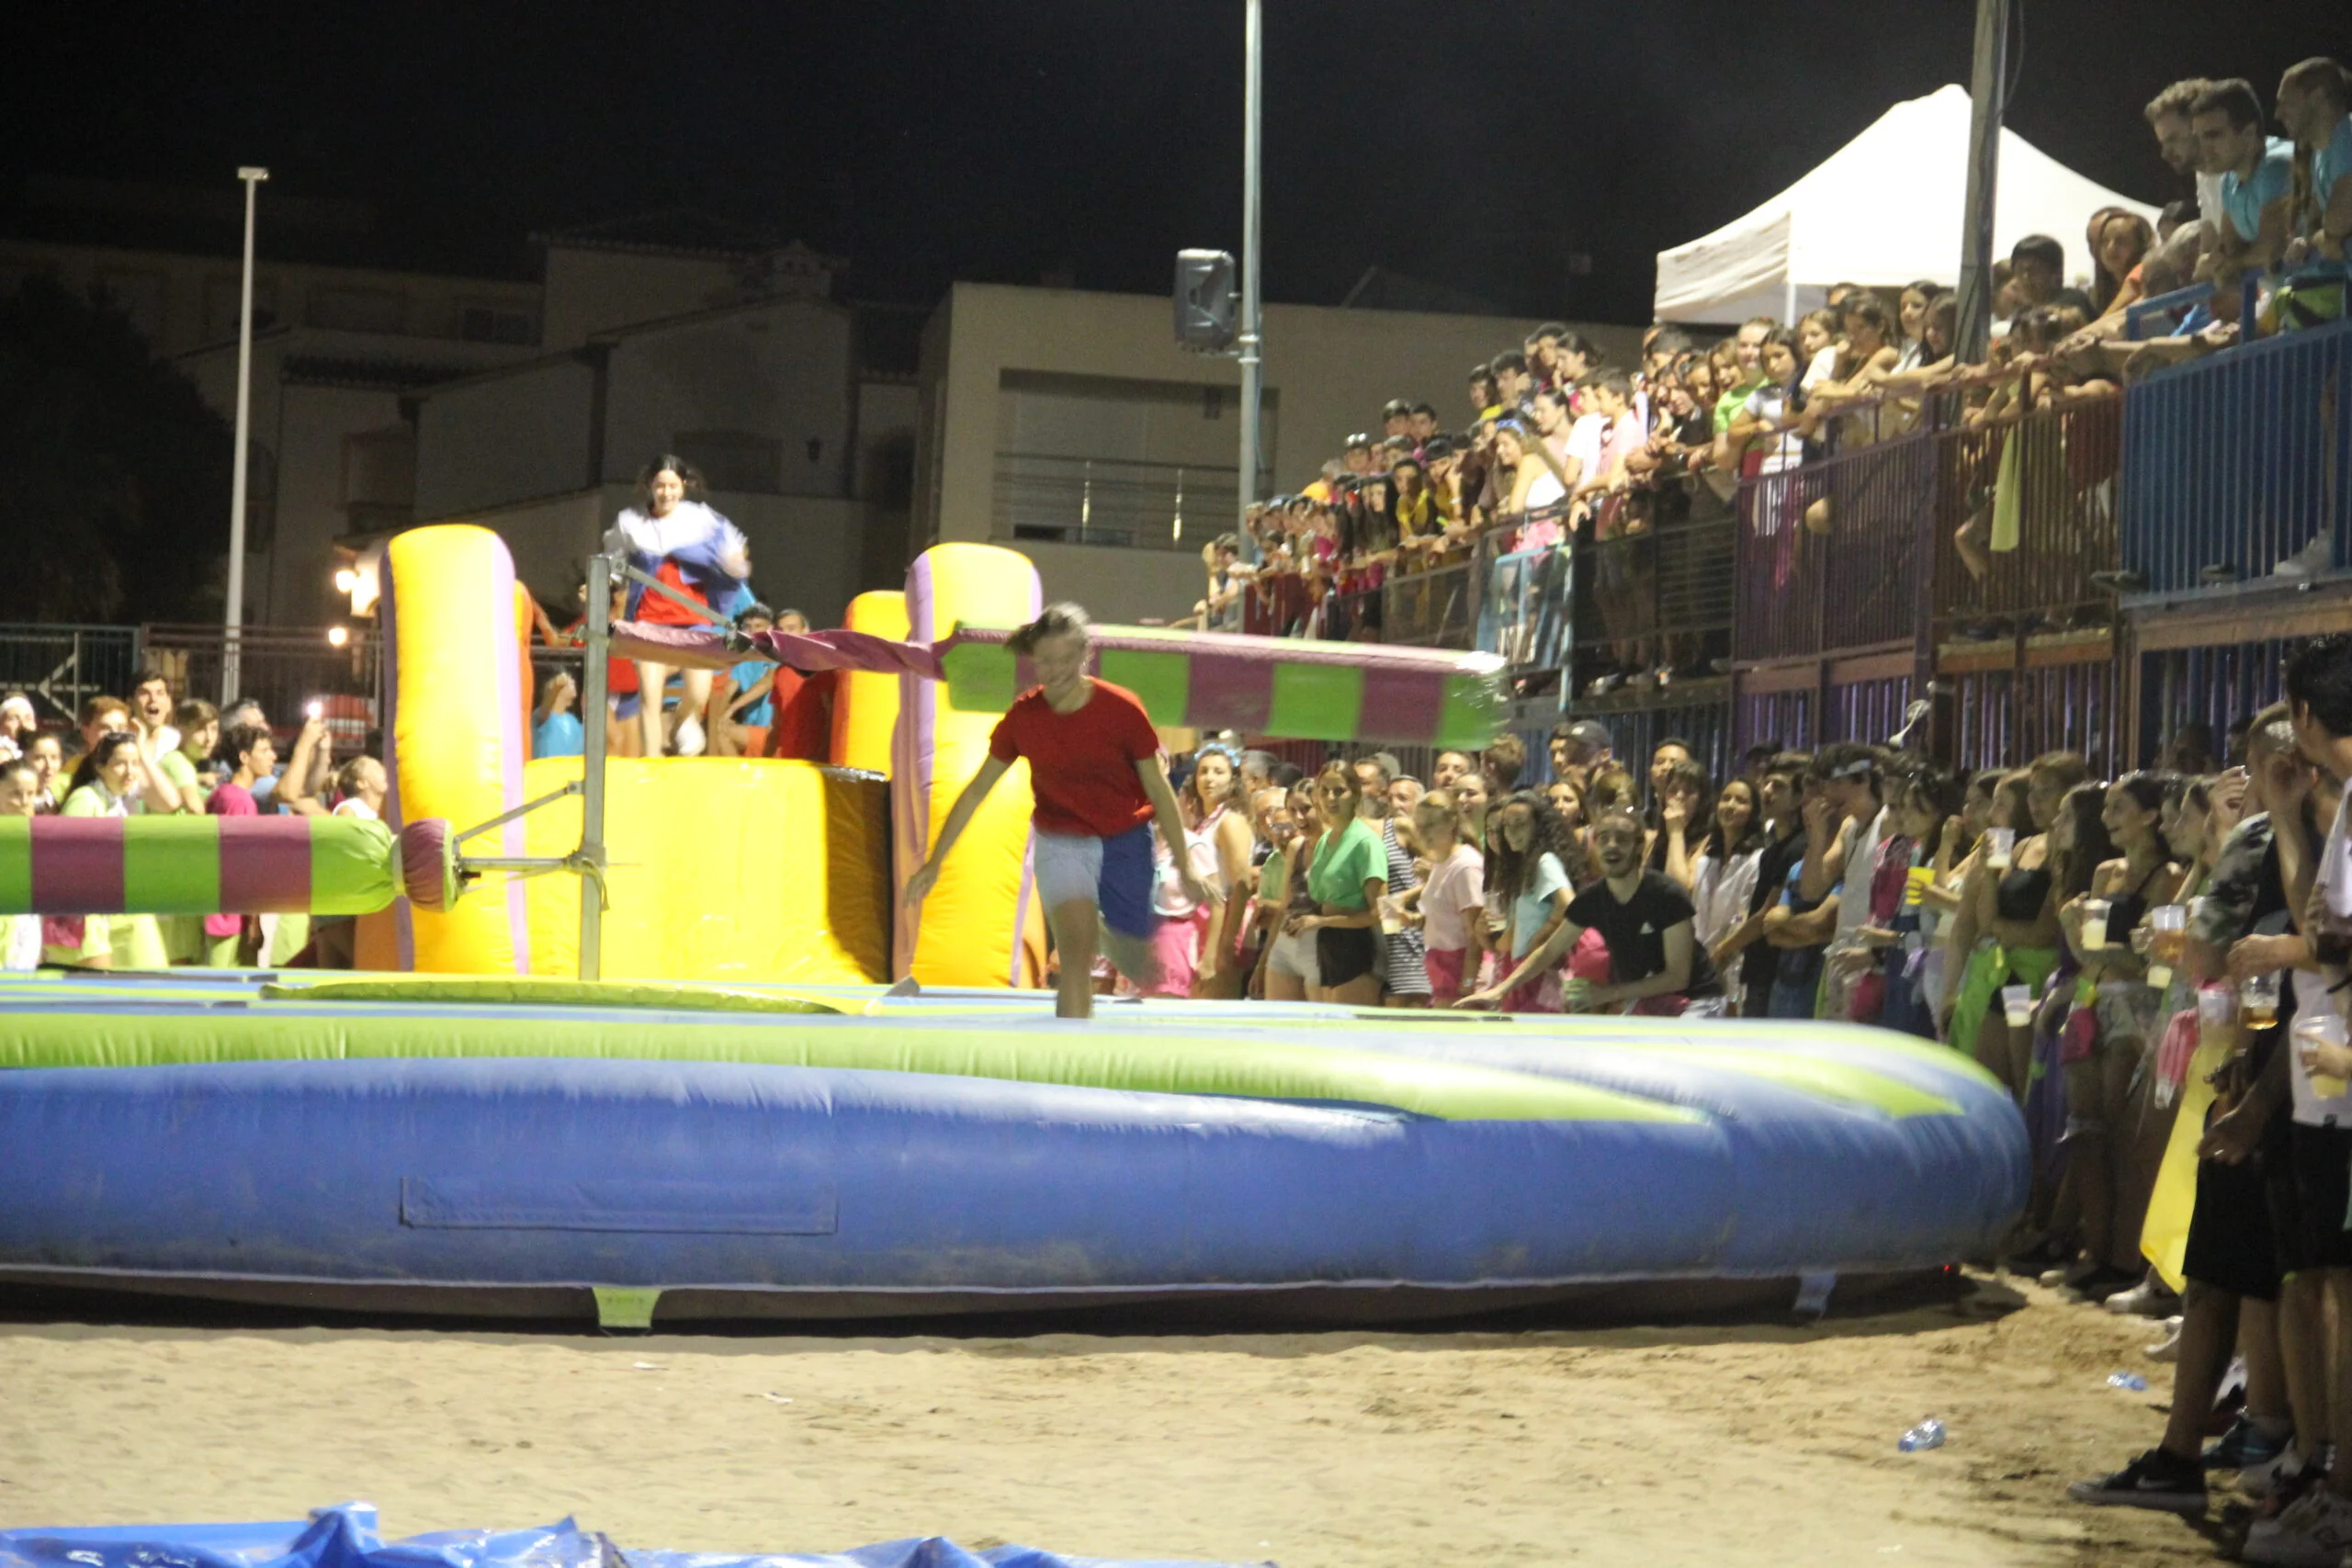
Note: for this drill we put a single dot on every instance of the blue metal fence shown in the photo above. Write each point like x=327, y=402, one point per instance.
x=2240, y=463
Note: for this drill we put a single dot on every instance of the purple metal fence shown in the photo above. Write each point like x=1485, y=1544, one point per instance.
x=2061, y=465
x=2004, y=719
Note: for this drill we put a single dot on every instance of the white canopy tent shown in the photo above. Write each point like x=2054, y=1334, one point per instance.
x=1883, y=210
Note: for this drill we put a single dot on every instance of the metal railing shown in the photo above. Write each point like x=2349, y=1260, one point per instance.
x=2240, y=463
x=2061, y=465
x=284, y=669
x=1656, y=581
x=60, y=667
x=1831, y=553
x=2004, y=719
x=1094, y=500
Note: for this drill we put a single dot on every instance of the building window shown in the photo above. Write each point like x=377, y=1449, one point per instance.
x=357, y=310
x=488, y=323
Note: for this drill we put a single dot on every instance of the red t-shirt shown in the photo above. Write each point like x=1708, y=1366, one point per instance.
x=1082, y=764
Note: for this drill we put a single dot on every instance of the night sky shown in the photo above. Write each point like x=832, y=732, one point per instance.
x=1468, y=145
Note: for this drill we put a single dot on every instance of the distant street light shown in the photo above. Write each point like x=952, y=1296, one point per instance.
x=345, y=579
x=338, y=636
x=1252, y=337
x=235, y=624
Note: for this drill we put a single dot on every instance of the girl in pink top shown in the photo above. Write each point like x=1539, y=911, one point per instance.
x=1454, y=897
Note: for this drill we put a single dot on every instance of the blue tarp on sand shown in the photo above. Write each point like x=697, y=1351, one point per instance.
x=345, y=1537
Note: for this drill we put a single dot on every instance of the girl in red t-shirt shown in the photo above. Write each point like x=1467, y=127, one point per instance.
x=1094, y=769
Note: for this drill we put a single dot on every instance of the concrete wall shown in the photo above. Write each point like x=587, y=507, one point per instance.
x=780, y=372
x=804, y=548
x=180, y=302
x=1329, y=370
x=504, y=439
x=313, y=425
x=591, y=291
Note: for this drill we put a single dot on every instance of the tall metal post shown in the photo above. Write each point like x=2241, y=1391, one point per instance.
x=1988, y=90
x=592, y=671
x=1252, y=339
x=234, y=626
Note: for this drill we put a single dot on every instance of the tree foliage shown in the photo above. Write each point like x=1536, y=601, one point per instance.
x=114, y=475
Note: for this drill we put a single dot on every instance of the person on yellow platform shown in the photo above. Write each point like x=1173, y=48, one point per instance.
x=102, y=786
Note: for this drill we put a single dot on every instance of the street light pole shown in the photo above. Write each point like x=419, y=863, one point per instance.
x=233, y=625
x=1252, y=338
x=1988, y=91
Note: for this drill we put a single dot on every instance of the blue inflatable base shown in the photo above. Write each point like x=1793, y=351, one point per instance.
x=345, y=1537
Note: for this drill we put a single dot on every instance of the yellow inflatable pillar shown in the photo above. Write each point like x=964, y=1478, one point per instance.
x=865, y=707
x=978, y=926
x=455, y=734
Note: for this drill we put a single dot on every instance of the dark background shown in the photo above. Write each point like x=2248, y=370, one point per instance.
x=1470, y=145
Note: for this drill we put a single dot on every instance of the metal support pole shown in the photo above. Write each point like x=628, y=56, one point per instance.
x=591, y=763
x=233, y=625
x=1988, y=89
x=1252, y=337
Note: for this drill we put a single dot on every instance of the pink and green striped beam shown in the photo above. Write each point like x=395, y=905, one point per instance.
x=1259, y=685
x=204, y=865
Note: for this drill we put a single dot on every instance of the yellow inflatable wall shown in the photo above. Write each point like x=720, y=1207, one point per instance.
x=979, y=926
x=747, y=869
x=456, y=735
x=865, y=708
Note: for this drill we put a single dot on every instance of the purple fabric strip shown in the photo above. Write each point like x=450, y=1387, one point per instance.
x=1401, y=704
x=388, y=694
x=264, y=865
x=686, y=648
x=1232, y=694
x=77, y=864
x=509, y=687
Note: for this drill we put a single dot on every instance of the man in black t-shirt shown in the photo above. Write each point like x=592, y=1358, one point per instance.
x=1646, y=920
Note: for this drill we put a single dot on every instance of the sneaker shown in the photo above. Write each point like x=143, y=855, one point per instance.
x=2278, y=1481
x=2168, y=1348
x=2069, y=1274
x=2310, y=560
x=2244, y=1447
x=2154, y=1480
x=2314, y=1533
x=2150, y=1298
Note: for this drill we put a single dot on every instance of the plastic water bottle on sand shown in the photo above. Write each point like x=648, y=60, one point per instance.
x=1928, y=1434
x=2130, y=1382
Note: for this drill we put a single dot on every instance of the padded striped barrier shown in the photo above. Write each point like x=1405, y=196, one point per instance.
x=1259, y=685
x=233, y=865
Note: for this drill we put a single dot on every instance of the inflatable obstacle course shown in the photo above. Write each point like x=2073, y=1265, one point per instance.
x=395, y=1142
x=737, y=1119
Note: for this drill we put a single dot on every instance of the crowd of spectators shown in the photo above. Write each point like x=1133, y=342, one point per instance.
x=154, y=756
x=1551, y=444
x=2122, y=955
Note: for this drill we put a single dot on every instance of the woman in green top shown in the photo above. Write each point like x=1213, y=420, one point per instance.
x=101, y=787
x=1348, y=875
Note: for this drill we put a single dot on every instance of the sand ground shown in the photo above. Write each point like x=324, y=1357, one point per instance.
x=1726, y=1446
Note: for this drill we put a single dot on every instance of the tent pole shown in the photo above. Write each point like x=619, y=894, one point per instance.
x=1988, y=89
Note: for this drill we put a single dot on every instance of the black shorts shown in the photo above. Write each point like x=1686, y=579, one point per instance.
x=2311, y=1188
x=2229, y=1245
x=1345, y=953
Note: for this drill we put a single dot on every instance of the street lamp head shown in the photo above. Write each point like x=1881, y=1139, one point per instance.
x=251, y=172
